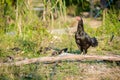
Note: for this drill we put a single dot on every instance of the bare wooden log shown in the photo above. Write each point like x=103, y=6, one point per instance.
x=62, y=58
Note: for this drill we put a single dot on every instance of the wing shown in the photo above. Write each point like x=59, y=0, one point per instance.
x=87, y=38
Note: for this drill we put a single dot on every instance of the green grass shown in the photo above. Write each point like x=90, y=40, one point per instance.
x=35, y=35
x=65, y=70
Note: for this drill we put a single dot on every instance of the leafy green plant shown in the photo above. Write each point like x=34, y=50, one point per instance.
x=111, y=25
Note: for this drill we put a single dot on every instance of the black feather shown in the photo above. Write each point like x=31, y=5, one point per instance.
x=82, y=39
x=94, y=42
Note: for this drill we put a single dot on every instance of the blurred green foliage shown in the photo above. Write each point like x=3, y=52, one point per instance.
x=111, y=23
x=18, y=17
x=81, y=5
x=15, y=14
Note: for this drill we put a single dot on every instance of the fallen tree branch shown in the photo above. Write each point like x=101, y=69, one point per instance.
x=62, y=58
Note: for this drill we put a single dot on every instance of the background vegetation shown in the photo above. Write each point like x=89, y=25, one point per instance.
x=23, y=27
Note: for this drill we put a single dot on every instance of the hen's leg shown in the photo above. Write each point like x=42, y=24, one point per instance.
x=84, y=51
x=80, y=49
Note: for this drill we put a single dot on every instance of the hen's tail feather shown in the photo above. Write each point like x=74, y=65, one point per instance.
x=94, y=42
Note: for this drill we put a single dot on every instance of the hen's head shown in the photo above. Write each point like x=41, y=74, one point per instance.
x=80, y=23
x=78, y=18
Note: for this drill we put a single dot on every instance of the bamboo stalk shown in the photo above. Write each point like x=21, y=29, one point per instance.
x=18, y=20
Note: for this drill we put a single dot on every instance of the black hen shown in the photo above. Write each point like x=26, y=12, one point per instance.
x=83, y=40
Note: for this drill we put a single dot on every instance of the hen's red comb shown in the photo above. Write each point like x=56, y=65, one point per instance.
x=78, y=18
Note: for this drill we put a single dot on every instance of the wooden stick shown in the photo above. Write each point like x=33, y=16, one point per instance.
x=61, y=58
